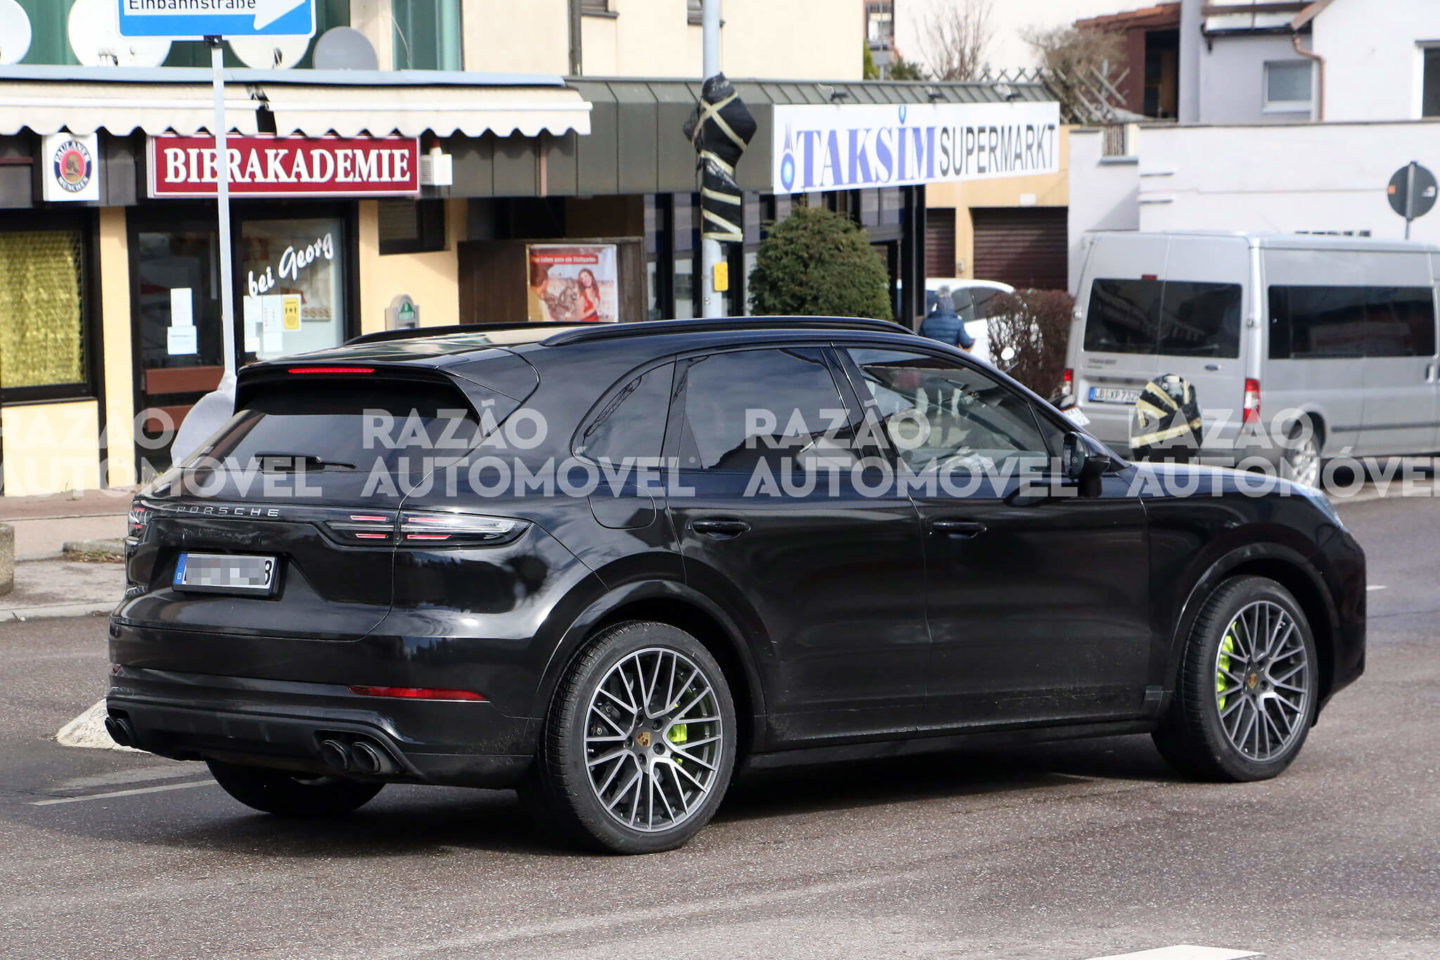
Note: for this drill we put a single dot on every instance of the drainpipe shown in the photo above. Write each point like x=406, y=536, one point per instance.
x=1319, y=62
x=577, y=56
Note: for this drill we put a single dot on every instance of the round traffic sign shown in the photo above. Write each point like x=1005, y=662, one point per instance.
x=1398, y=192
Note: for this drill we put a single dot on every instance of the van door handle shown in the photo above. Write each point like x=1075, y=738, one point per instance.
x=720, y=528
x=958, y=529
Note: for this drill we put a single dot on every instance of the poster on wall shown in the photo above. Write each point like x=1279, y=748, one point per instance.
x=573, y=283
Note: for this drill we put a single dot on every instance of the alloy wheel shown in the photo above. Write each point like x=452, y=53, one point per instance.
x=1262, y=681
x=1303, y=460
x=653, y=739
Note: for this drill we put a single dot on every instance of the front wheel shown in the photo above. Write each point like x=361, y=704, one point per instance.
x=1247, y=690
x=640, y=741
x=291, y=795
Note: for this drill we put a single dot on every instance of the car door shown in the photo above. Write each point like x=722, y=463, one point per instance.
x=1038, y=605
x=826, y=583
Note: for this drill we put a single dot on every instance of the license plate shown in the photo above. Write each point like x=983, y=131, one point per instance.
x=226, y=573
x=1114, y=394
x=1077, y=416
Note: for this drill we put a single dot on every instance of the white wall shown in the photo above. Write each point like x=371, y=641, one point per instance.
x=1009, y=19
x=1310, y=177
x=1232, y=79
x=1373, y=62
x=1104, y=194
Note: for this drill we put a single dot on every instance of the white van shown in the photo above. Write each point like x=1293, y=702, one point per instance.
x=1299, y=348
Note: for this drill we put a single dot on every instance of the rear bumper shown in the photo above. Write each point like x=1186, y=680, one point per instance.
x=283, y=724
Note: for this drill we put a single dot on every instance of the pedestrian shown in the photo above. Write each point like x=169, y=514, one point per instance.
x=944, y=324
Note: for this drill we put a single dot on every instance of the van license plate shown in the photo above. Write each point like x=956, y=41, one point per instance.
x=225, y=573
x=1114, y=394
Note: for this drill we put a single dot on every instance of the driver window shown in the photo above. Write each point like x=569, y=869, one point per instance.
x=948, y=417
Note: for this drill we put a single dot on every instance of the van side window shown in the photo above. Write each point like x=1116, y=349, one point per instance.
x=1312, y=322
x=1176, y=317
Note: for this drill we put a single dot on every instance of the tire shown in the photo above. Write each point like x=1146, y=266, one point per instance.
x=624, y=772
x=1301, y=461
x=291, y=795
x=1252, y=638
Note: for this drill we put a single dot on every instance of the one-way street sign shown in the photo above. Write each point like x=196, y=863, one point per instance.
x=196, y=19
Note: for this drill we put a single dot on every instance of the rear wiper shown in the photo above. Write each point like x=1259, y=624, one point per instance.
x=289, y=462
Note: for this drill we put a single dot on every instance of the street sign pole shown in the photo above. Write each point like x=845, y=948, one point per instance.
x=712, y=303
x=1409, y=196
x=222, y=195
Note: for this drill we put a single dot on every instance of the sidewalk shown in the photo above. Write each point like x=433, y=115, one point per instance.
x=62, y=588
x=44, y=524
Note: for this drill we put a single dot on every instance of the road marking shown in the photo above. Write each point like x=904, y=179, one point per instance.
x=1376, y=586
x=1184, y=951
x=122, y=793
x=172, y=770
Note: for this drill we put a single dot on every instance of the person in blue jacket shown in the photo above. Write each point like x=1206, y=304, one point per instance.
x=943, y=323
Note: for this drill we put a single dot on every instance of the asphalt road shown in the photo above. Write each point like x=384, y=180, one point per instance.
x=1066, y=851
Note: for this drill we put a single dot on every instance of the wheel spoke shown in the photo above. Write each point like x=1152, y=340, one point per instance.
x=604, y=757
x=686, y=755
x=1263, y=723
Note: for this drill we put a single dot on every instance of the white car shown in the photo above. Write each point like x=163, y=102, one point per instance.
x=973, y=300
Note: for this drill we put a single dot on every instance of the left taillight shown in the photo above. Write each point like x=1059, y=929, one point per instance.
x=1252, y=401
x=423, y=529
x=139, y=517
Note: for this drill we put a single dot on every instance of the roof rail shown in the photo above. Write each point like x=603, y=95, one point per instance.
x=643, y=328
x=420, y=333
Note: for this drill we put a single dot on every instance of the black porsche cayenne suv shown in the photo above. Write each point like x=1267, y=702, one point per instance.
x=612, y=565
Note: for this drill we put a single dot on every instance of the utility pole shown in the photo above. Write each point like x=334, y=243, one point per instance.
x=712, y=302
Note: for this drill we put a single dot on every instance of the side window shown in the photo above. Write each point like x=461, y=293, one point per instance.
x=946, y=417
x=1400, y=322
x=1309, y=322
x=776, y=408
x=630, y=424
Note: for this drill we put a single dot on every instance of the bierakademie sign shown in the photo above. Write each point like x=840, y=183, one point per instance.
x=850, y=146
x=287, y=167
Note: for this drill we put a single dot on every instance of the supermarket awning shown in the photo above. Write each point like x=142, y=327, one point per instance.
x=122, y=101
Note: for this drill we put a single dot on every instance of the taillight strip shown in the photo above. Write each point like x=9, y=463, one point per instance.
x=417, y=693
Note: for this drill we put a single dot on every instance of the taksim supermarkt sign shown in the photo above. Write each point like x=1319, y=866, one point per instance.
x=850, y=146
x=287, y=166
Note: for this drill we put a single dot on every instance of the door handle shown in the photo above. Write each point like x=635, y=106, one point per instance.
x=958, y=529
x=720, y=528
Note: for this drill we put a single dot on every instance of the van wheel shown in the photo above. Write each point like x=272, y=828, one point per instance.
x=640, y=741
x=1246, y=695
x=1301, y=461
x=291, y=795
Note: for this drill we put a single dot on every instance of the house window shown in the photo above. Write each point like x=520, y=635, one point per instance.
x=411, y=226
x=595, y=8
x=1430, y=100
x=427, y=34
x=695, y=11
x=44, y=352
x=1287, y=85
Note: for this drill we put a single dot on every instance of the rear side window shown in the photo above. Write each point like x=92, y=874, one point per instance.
x=630, y=424
x=349, y=426
x=1177, y=317
x=1317, y=322
x=779, y=408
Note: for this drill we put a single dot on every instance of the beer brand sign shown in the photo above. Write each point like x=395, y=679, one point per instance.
x=286, y=167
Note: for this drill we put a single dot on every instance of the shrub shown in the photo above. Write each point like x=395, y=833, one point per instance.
x=819, y=264
x=1036, y=324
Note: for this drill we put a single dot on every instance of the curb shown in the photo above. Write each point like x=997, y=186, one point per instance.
x=55, y=612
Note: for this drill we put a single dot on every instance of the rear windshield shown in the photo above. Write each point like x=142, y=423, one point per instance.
x=1176, y=317
x=324, y=426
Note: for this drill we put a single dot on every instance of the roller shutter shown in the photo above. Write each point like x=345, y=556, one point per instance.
x=1022, y=246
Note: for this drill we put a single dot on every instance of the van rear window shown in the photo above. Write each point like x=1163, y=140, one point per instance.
x=1177, y=318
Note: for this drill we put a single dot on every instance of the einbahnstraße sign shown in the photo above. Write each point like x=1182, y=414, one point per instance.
x=196, y=19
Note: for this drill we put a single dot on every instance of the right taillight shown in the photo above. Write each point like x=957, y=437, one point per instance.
x=139, y=516
x=1252, y=401
x=456, y=529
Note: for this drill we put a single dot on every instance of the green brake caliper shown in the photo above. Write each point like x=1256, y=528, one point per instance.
x=1227, y=647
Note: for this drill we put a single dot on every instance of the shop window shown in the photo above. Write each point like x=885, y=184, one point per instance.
x=43, y=350
x=427, y=34
x=1287, y=85
x=412, y=226
x=292, y=277
x=1430, y=101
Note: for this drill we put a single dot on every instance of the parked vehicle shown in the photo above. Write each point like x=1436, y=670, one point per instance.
x=314, y=629
x=974, y=302
x=1336, y=334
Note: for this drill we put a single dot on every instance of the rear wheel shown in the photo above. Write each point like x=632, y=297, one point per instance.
x=640, y=741
x=1246, y=695
x=1301, y=461
x=291, y=795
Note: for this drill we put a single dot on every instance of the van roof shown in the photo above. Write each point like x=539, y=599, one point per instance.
x=1289, y=241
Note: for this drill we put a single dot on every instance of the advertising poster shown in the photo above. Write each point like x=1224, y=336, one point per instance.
x=573, y=283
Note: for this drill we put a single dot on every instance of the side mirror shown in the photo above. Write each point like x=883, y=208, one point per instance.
x=1085, y=463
